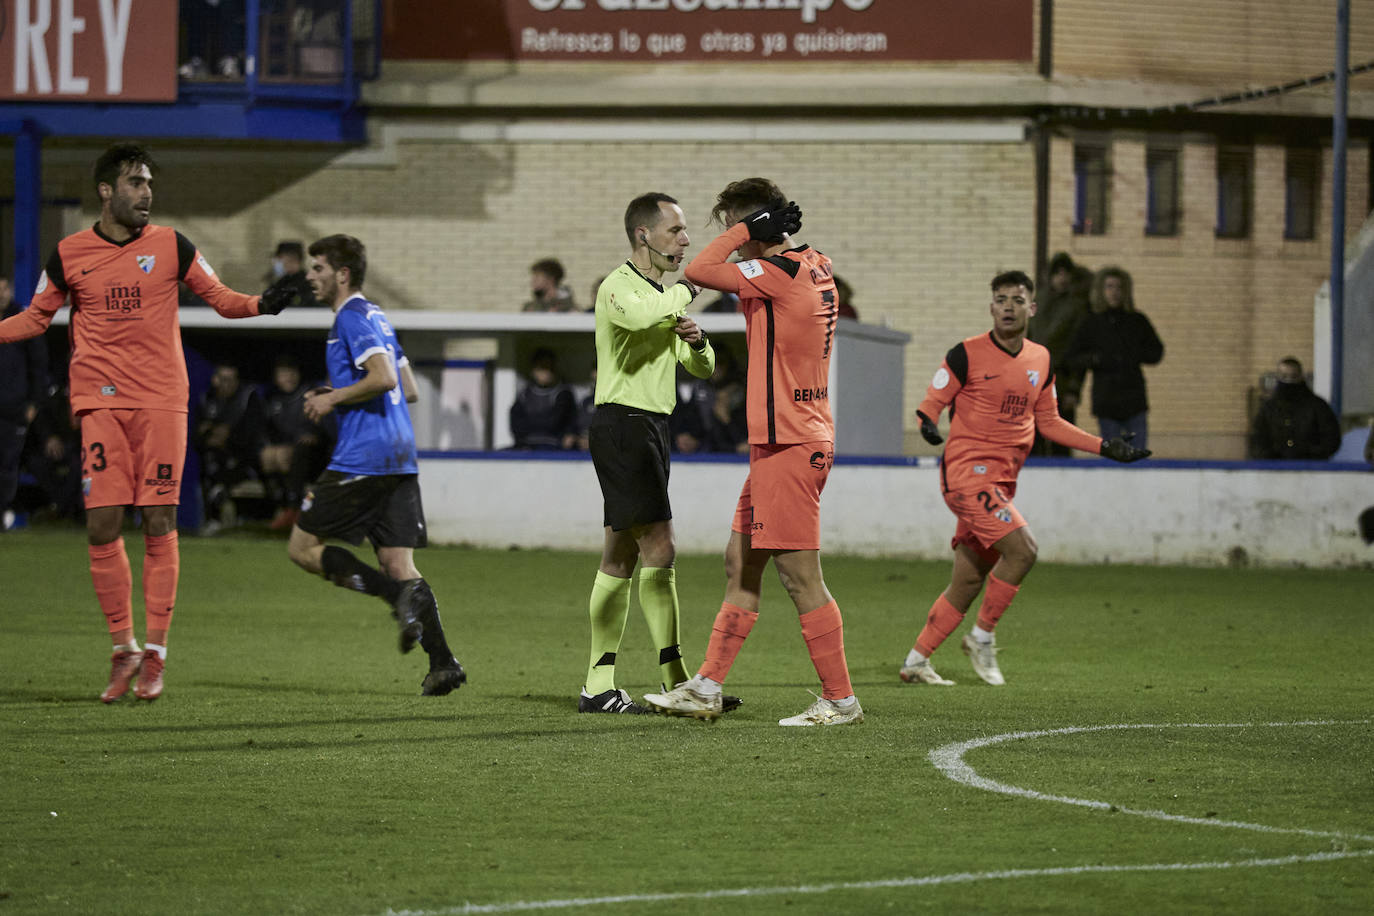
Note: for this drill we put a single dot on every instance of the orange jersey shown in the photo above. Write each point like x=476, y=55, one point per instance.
x=789, y=307
x=125, y=334
x=997, y=399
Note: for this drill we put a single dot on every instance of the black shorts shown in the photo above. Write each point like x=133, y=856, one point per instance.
x=629, y=449
x=385, y=509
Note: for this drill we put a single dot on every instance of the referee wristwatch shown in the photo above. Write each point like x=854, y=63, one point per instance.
x=700, y=344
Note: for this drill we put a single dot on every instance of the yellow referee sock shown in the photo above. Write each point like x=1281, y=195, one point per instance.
x=658, y=598
x=610, y=606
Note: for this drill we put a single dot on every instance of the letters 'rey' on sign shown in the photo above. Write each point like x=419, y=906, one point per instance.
x=89, y=50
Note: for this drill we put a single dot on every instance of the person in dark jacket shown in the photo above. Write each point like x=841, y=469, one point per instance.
x=1062, y=307
x=1113, y=343
x=228, y=434
x=1294, y=423
x=24, y=367
x=544, y=415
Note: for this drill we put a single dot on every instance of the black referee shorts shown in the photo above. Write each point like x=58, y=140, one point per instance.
x=629, y=449
x=384, y=509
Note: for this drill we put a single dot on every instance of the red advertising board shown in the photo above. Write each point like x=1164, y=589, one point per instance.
x=710, y=30
x=88, y=50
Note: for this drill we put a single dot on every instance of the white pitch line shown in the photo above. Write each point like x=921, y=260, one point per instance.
x=949, y=759
x=520, y=906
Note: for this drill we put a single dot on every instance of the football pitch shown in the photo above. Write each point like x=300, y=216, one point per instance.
x=1169, y=740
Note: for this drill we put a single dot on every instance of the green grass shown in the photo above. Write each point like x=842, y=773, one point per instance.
x=291, y=765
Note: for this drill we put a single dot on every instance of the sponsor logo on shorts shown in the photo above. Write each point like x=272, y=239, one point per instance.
x=165, y=483
x=818, y=460
x=980, y=469
x=108, y=391
x=308, y=501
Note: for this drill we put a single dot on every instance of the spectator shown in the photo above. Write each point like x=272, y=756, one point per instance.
x=296, y=449
x=1294, y=423
x=1113, y=342
x=228, y=435
x=547, y=290
x=1064, y=303
x=596, y=288
x=844, y=294
x=288, y=272
x=52, y=456
x=586, y=409
x=710, y=414
x=24, y=367
x=544, y=415
x=214, y=31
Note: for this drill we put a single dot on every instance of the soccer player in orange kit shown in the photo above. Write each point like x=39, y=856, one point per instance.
x=129, y=391
x=1000, y=390
x=787, y=295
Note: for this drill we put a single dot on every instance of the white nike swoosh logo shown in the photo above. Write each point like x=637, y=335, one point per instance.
x=332, y=340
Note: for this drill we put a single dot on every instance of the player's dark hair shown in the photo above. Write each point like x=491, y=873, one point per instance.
x=1013, y=278
x=1099, y=302
x=644, y=211
x=343, y=251
x=294, y=249
x=745, y=196
x=550, y=267
x=116, y=159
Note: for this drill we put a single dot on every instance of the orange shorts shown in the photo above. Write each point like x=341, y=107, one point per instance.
x=985, y=515
x=780, y=505
x=132, y=457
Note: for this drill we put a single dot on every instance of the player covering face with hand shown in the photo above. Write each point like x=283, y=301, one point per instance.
x=787, y=295
x=1000, y=389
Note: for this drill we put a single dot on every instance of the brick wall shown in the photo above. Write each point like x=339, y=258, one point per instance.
x=1223, y=43
x=1226, y=309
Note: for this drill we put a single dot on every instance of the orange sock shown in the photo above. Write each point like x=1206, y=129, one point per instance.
x=995, y=601
x=944, y=619
x=823, y=630
x=728, y=633
x=161, y=566
x=114, y=583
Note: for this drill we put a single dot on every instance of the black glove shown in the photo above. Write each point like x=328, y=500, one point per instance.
x=929, y=431
x=770, y=225
x=277, y=297
x=1121, y=449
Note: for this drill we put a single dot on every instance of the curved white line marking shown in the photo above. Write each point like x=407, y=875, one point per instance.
x=949, y=760
x=520, y=906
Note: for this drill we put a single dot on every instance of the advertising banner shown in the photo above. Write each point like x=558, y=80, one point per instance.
x=88, y=50
x=711, y=30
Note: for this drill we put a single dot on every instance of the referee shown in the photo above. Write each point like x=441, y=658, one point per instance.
x=642, y=332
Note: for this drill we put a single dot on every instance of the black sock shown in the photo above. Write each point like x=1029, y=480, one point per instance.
x=432, y=640
x=347, y=571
